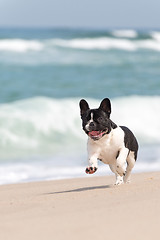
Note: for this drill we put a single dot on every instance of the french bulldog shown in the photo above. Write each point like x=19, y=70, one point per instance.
x=107, y=142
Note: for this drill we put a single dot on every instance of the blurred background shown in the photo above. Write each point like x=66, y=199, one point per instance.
x=52, y=54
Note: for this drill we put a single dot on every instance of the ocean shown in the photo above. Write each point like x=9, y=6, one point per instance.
x=43, y=75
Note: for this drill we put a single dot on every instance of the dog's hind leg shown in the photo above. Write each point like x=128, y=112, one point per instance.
x=121, y=161
x=119, y=166
x=130, y=164
x=119, y=179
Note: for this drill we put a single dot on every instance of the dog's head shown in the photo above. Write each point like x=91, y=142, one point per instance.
x=96, y=122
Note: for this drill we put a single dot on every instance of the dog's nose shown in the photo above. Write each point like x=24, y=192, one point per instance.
x=91, y=124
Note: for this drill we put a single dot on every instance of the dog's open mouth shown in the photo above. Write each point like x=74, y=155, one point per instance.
x=95, y=135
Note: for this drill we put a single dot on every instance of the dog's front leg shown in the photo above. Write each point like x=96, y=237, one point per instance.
x=92, y=164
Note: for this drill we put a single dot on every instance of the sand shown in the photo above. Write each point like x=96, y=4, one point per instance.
x=86, y=208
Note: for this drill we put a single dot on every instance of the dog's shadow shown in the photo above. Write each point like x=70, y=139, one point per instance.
x=82, y=189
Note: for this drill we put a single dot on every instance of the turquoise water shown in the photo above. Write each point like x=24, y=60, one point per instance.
x=43, y=75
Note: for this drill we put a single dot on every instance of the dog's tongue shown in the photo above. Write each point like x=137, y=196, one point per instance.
x=95, y=133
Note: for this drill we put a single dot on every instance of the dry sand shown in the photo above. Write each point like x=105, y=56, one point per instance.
x=87, y=208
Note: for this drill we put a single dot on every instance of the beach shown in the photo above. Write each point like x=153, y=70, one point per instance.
x=81, y=208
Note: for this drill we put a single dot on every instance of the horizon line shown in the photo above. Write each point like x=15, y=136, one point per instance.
x=79, y=28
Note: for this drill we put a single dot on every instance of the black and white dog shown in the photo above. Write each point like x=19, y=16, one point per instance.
x=107, y=142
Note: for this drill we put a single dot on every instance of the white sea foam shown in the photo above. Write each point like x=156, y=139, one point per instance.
x=20, y=45
x=62, y=168
x=155, y=35
x=26, y=172
x=106, y=43
x=141, y=114
x=49, y=46
x=148, y=44
x=125, y=33
x=96, y=43
x=40, y=125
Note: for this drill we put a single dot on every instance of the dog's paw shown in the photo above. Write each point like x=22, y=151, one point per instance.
x=119, y=180
x=128, y=181
x=91, y=170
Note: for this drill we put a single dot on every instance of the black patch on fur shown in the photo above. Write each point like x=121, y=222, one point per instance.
x=117, y=154
x=113, y=125
x=130, y=141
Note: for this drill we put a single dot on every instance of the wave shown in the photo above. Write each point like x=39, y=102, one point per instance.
x=38, y=124
x=127, y=40
x=20, y=45
x=155, y=35
x=106, y=43
x=141, y=114
x=97, y=43
x=44, y=126
x=125, y=33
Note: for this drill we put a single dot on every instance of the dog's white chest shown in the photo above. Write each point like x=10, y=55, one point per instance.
x=106, y=149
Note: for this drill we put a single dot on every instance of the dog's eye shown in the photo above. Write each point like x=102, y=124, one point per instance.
x=100, y=119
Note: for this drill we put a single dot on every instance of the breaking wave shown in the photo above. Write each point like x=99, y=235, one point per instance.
x=128, y=40
x=106, y=43
x=20, y=45
x=44, y=125
x=125, y=33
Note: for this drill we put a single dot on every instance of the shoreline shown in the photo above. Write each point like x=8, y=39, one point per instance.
x=81, y=208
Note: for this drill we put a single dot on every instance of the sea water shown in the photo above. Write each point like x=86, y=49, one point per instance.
x=43, y=75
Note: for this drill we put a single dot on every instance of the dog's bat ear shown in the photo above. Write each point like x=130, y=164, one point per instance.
x=106, y=106
x=83, y=106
